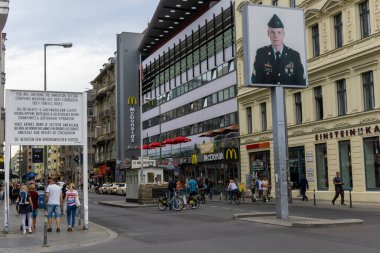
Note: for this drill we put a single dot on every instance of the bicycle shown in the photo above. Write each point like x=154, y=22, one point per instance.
x=236, y=197
x=194, y=201
x=175, y=203
x=201, y=196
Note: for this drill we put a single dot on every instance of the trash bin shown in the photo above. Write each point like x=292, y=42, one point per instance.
x=41, y=200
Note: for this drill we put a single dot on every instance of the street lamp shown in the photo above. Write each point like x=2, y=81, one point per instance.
x=64, y=45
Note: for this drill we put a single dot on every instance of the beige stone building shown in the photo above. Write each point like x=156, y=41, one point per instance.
x=334, y=124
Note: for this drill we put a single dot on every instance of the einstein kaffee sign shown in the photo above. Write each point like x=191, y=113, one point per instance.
x=44, y=118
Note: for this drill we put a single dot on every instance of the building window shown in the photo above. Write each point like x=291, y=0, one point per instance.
x=263, y=107
x=292, y=3
x=338, y=27
x=275, y=2
x=368, y=91
x=322, y=168
x=318, y=102
x=372, y=162
x=342, y=97
x=298, y=105
x=365, y=27
x=315, y=39
x=249, y=120
x=345, y=163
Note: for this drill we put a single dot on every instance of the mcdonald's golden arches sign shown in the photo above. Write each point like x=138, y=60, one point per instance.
x=194, y=159
x=132, y=100
x=231, y=154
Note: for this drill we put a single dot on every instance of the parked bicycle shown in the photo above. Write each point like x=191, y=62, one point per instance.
x=194, y=201
x=174, y=203
x=236, y=197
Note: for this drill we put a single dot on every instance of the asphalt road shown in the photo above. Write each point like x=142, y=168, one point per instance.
x=211, y=228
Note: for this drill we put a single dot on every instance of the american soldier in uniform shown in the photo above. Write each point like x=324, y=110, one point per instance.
x=277, y=63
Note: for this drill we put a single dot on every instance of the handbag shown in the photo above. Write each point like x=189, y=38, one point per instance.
x=77, y=201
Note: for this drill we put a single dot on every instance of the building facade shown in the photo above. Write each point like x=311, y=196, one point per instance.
x=189, y=89
x=104, y=123
x=334, y=124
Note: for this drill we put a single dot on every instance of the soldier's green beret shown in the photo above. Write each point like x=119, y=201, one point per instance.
x=275, y=22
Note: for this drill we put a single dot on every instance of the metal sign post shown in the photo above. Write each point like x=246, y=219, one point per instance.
x=280, y=151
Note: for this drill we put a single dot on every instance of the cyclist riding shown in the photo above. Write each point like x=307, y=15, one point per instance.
x=232, y=188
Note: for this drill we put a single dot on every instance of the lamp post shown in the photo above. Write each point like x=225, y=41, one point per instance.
x=64, y=45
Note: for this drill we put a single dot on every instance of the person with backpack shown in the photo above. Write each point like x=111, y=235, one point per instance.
x=34, y=196
x=72, y=202
x=25, y=209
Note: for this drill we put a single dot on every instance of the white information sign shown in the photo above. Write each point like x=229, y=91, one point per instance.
x=44, y=118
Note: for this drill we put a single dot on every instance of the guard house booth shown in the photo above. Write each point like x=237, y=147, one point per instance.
x=138, y=176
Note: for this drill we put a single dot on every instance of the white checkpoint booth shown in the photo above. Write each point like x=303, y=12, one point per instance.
x=137, y=175
x=45, y=118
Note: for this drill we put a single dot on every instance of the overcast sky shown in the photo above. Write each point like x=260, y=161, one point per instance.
x=91, y=25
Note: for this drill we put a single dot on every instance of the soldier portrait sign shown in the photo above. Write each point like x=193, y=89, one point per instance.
x=274, y=47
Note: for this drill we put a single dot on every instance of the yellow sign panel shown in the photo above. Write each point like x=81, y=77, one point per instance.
x=194, y=159
x=132, y=100
x=207, y=148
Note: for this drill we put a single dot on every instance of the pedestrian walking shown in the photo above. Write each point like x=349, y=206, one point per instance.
x=34, y=196
x=1, y=194
x=265, y=188
x=304, y=185
x=64, y=190
x=338, y=182
x=54, y=204
x=72, y=200
x=24, y=203
x=15, y=192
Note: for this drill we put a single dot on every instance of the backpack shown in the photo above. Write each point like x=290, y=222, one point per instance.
x=24, y=198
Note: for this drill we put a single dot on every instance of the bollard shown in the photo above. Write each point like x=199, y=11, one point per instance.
x=45, y=230
x=315, y=201
x=350, y=199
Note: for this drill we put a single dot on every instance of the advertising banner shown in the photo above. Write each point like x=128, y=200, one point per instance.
x=274, y=47
x=44, y=118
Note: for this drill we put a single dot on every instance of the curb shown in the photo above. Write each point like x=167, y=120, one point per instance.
x=324, y=224
x=126, y=206
x=247, y=215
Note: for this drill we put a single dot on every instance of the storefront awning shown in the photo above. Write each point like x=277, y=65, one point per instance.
x=221, y=131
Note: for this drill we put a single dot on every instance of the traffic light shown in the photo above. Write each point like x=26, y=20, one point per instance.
x=37, y=155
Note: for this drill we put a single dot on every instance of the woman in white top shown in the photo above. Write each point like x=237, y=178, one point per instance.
x=72, y=200
x=232, y=188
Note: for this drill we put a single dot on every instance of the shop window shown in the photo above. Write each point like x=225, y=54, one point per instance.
x=275, y=2
x=365, y=27
x=345, y=163
x=372, y=163
x=368, y=91
x=296, y=165
x=322, y=168
x=342, y=97
x=259, y=164
x=338, y=28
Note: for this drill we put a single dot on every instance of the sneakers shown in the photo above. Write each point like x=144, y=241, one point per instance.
x=24, y=232
x=333, y=202
x=30, y=230
x=69, y=228
x=58, y=230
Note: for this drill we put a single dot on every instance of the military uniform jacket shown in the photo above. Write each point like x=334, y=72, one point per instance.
x=288, y=71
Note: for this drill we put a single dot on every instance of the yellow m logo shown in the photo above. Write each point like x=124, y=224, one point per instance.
x=231, y=154
x=194, y=159
x=132, y=100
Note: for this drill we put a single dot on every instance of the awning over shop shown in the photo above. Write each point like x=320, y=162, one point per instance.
x=221, y=131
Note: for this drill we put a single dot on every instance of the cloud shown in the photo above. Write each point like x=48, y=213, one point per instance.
x=91, y=25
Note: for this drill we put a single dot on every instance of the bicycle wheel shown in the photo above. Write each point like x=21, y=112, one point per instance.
x=194, y=203
x=178, y=204
x=202, y=199
x=237, y=199
x=162, y=204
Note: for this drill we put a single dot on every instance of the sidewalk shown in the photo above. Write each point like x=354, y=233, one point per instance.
x=15, y=241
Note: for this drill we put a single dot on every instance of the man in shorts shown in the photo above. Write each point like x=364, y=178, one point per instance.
x=54, y=203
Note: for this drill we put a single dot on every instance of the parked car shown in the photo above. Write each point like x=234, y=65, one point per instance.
x=112, y=188
x=103, y=189
x=122, y=189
